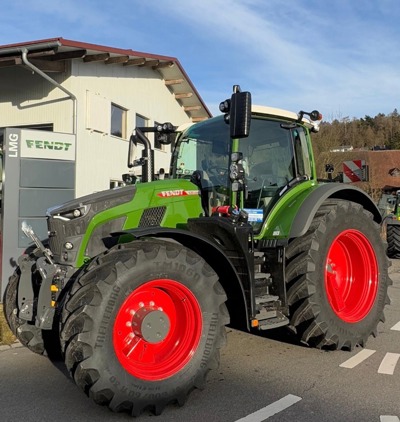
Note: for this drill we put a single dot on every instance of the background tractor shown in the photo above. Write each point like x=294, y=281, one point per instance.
x=134, y=286
x=393, y=227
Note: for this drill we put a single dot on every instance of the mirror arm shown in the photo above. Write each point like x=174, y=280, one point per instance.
x=146, y=161
x=148, y=170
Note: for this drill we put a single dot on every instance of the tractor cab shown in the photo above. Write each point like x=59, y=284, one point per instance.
x=274, y=157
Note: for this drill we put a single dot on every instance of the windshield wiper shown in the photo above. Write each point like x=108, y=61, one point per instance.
x=296, y=180
x=289, y=125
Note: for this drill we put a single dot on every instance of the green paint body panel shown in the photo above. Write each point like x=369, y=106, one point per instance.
x=179, y=196
x=181, y=206
x=279, y=221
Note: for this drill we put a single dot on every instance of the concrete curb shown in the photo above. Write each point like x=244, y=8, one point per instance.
x=5, y=347
x=395, y=267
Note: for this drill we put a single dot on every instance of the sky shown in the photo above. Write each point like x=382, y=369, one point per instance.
x=341, y=57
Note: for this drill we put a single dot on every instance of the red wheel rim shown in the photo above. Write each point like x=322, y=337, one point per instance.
x=157, y=329
x=351, y=276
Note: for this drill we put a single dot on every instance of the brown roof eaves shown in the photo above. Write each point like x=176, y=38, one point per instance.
x=61, y=43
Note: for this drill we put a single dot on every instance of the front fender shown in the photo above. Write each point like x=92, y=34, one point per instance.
x=214, y=256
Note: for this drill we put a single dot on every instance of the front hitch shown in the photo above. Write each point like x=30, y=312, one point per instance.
x=48, y=292
x=28, y=232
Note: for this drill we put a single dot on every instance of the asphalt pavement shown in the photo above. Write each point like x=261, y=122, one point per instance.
x=261, y=378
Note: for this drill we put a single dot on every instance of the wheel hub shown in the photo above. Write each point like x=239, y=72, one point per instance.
x=157, y=329
x=351, y=276
x=152, y=325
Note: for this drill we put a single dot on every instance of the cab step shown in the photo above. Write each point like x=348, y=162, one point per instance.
x=265, y=300
x=262, y=281
x=279, y=320
x=268, y=316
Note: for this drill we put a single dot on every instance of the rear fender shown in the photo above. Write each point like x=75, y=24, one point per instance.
x=215, y=257
x=312, y=203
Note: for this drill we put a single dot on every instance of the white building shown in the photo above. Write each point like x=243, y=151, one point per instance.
x=98, y=94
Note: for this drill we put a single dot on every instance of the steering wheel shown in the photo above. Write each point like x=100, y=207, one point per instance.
x=218, y=175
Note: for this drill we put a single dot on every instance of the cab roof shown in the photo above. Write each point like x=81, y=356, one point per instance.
x=284, y=114
x=272, y=112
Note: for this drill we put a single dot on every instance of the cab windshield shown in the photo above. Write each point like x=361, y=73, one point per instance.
x=274, y=154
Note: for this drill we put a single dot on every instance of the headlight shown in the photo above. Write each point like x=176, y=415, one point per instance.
x=72, y=214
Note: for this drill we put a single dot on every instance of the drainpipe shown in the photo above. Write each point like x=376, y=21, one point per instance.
x=24, y=52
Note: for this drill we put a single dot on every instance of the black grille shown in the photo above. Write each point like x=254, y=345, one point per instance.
x=56, y=235
x=61, y=231
x=152, y=216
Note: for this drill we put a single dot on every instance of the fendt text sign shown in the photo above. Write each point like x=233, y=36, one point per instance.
x=47, y=145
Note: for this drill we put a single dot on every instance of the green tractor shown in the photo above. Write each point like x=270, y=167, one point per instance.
x=393, y=227
x=134, y=286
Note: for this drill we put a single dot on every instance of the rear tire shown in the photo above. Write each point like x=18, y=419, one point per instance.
x=337, y=278
x=142, y=326
x=393, y=240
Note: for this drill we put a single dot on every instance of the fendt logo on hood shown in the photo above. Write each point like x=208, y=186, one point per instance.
x=52, y=145
x=177, y=192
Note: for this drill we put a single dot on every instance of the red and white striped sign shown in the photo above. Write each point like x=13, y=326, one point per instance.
x=353, y=171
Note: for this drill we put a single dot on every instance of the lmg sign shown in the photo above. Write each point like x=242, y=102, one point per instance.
x=13, y=142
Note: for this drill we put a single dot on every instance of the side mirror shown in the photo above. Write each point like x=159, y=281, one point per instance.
x=132, y=151
x=238, y=113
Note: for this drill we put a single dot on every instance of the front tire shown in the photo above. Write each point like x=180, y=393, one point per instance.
x=337, y=278
x=142, y=326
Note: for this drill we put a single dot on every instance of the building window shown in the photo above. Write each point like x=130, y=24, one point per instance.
x=118, y=121
x=116, y=183
x=141, y=121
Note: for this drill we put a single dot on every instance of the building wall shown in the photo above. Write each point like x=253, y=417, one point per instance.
x=139, y=90
x=380, y=164
x=27, y=99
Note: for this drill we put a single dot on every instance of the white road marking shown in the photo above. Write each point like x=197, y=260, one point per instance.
x=388, y=363
x=358, y=358
x=271, y=409
x=396, y=327
x=387, y=418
